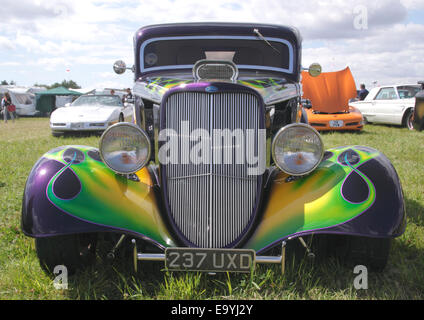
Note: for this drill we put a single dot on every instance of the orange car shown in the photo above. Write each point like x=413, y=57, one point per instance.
x=329, y=94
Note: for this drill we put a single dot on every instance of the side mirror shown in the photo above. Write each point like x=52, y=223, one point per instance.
x=67, y=104
x=314, y=70
x=119, y=67
x=306, y=103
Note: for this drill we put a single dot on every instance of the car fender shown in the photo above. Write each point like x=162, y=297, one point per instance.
x=111, y=115
x=354, y=191
x=115, y=114
x=70, y=190
x=406, y=110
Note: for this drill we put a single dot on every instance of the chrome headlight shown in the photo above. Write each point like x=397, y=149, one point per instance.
x=297, y=149
x=125, y=148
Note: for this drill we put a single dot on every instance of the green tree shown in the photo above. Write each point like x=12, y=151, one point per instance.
x=69, y=84
x=5, y=83
x=40, y=85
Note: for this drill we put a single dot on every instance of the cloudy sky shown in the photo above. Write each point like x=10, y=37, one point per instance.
x=49, y=41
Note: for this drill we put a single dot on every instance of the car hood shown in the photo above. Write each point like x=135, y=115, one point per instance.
x=83, y=113
x=271, y=89
x=331, y=91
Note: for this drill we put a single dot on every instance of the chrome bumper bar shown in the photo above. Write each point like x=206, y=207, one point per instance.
x=160, y=257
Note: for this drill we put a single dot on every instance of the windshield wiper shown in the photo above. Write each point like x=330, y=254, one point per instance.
x=260, y=36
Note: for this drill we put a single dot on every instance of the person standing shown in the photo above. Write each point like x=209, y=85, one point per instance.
x=6, y=104
x=363, y=92
x=128, y=97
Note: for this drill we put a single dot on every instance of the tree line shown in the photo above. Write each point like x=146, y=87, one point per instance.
x=69, y=84
x=5, y=83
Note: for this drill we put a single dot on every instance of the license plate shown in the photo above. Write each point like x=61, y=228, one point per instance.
x=209, y=260
x=77, y=125
x=336, y=123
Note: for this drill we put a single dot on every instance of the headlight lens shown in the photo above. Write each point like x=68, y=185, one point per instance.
x=297, y=149
x=125, y=148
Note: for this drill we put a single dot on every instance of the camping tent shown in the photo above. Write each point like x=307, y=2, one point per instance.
x=23, y=98
x=46, y=100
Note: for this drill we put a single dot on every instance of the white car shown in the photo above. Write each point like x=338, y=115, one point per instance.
x=90, y=113
x=389, y=104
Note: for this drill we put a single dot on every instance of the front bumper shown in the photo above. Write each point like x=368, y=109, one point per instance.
x=162, y=257
x=352, y=121
x=79, y=126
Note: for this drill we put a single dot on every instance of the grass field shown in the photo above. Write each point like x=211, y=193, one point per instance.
x=23, y=142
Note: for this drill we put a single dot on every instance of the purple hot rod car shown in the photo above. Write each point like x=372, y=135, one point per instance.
x=219, y=170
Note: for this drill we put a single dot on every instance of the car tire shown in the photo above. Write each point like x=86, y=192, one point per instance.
x=75, y=251
x=372, y=253
x=408, y=119
x=56, y=134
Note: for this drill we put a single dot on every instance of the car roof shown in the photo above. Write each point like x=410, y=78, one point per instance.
x=288, y=33
x=397, y=85
x=217, y=28
x=374, y=91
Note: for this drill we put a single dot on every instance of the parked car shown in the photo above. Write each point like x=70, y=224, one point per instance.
x=190, y=185
x=329, y=95
x=389, y=105
x=89, y=113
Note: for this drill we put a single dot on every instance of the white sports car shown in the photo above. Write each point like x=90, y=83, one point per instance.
x=90, y=113
x=389, y=104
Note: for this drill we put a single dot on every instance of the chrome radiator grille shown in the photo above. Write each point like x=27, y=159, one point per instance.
x=215, y=71
x=211, y=204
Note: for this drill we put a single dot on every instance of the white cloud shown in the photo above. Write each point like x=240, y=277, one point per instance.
x=93, y=34
x=27, y=10
x=413, y=4
x=5, y=43
x=393, y=58
x=10, y=64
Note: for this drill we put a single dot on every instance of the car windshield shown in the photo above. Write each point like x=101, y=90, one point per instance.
x=407, y=92
x=101, y=101
x=246, y=52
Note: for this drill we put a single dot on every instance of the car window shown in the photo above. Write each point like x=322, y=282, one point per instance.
x=186, y=51
x=386, y=94
x=407, y=92
x=106, y=101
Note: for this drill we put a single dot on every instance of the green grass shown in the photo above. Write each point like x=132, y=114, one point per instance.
x=23, y=142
